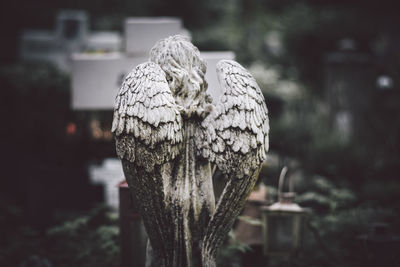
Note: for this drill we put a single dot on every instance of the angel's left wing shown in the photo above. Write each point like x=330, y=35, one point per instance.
x=148, y=132
x=147, y=124
x=234, y=136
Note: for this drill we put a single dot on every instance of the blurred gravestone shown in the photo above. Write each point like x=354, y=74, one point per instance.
x=97, y=77
x=142, y=33
x=348, y=82
x=71, y=35
x=212, y=59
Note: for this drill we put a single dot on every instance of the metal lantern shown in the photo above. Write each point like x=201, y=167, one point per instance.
x=283, y=223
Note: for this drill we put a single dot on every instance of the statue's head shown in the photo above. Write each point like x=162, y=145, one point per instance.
x=185, y=70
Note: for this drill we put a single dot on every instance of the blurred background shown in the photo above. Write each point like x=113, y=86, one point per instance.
x=330, y=74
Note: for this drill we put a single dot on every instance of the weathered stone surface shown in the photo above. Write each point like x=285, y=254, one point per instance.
x=170, y=137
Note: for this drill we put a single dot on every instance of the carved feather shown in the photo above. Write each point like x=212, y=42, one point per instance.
x=240, y=123
x=143, y=103
x=148, y=132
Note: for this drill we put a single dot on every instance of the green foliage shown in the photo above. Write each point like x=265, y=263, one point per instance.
x=229, y=254
x=91, y=240
x=332, y=238
x=324, y=196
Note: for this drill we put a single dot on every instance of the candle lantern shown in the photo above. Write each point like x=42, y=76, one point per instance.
x=283, y=223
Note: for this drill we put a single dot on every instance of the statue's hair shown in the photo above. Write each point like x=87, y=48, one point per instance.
x=182, y=63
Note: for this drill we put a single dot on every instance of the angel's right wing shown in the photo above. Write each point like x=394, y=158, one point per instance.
x=234, y=136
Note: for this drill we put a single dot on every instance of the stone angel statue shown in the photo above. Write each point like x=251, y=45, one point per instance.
x=170, y=138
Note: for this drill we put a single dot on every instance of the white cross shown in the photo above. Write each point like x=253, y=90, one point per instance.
x=109, y=174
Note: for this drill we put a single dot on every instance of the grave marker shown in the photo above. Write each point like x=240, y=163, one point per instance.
x=71, y=35
x=212, y=59
x=143, y=32
x=108, y=174
x=97, y=77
